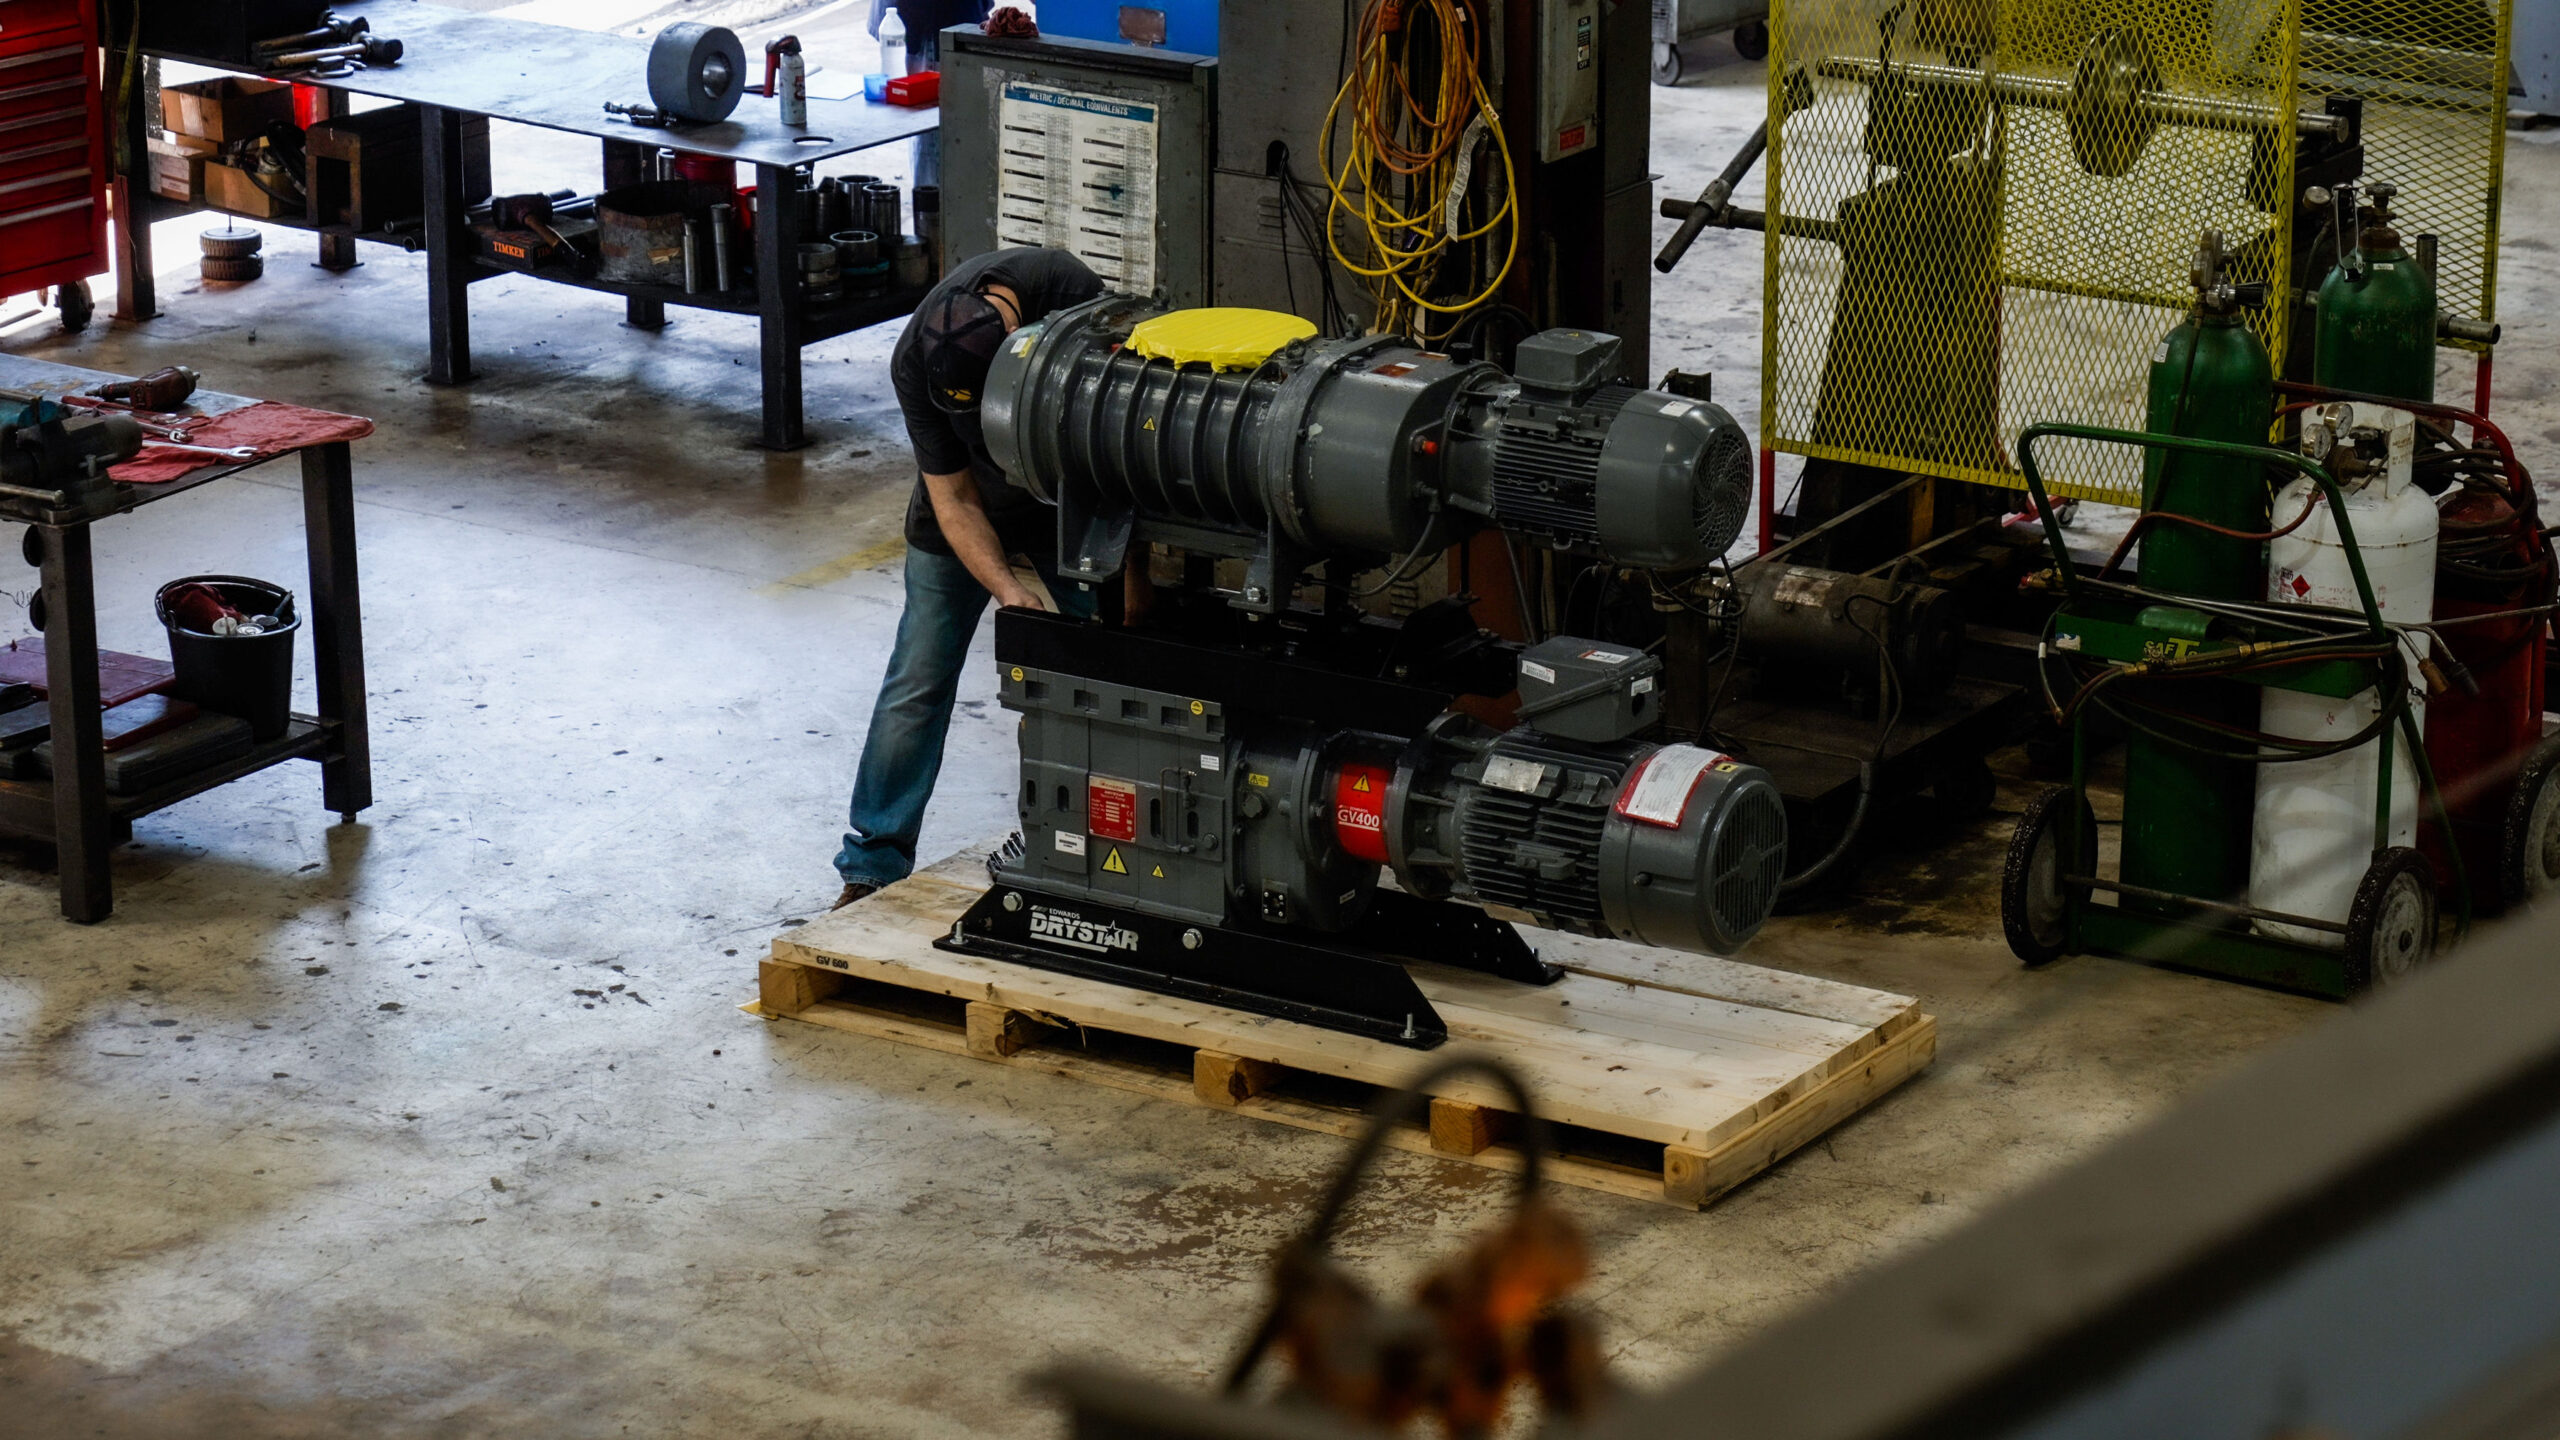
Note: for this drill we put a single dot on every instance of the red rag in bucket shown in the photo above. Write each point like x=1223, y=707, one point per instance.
x=197, y=607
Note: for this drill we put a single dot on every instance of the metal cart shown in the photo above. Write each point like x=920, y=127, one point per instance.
x=1678, y=21
x=2048, y=887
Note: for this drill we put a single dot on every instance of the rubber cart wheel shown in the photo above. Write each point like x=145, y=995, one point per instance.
x=231, y=242
x=2391, y=927
x=75, y=303
x=2529, y=852
x=2034, y=902
x=1667, y=64
x=1751, y=39
x=232, y=269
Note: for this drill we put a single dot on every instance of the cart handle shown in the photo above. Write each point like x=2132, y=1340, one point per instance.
x=2143, y=439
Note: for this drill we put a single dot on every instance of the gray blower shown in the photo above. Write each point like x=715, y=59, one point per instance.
x=1212, y=801
x=1364, y=450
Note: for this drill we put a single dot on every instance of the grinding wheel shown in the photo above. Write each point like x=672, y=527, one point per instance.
x=697, y=72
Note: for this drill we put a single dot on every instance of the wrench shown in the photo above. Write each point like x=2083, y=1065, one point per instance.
x=236, y=452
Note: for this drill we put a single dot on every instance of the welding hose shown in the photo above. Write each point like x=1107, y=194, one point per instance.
x=1406, y=1106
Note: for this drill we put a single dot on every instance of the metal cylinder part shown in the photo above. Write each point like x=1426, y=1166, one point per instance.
x=912, y=265
x=697, y=72
x=856, y=248
x=724, y=273
x=881, y=213
x=928, y=208
x=693, y=257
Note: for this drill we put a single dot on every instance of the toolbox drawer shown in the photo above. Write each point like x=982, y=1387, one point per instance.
x=52, y=194
x=38, y=24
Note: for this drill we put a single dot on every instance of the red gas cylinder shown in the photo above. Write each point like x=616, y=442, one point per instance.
x=2490, y=561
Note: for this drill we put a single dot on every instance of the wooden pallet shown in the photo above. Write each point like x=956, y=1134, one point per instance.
x=1668, y=1077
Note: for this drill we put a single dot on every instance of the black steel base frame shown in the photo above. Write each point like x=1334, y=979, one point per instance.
x=1354, y=982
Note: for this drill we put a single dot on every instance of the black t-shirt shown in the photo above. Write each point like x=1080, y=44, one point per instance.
x=945, y=444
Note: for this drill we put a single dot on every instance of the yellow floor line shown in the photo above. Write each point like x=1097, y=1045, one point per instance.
x=829, y=572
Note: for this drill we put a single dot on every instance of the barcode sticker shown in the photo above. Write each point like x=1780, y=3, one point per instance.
x=1538, y=672
x=1659, y=792
x=1070, y=843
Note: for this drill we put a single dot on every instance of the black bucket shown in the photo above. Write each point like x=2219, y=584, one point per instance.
x=248, y=676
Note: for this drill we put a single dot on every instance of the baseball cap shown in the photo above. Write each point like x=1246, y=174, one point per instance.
x=959, y=340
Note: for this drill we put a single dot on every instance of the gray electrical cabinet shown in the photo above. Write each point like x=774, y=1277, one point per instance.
x=2534, y=47
x=1104, y=150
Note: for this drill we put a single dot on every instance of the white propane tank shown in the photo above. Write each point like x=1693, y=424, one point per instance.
x=2313, y=833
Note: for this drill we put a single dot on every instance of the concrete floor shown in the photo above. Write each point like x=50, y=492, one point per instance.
x=318, y=1134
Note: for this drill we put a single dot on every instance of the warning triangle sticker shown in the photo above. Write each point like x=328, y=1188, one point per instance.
x=1113, y=863
x=1159, y=872
x=1360, y=784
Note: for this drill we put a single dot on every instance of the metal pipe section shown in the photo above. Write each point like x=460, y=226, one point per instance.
x=2154, y=106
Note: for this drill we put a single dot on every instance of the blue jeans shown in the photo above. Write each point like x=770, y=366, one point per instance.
x=902, y=756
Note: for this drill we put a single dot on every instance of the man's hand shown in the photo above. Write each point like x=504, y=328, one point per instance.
x=972, y=537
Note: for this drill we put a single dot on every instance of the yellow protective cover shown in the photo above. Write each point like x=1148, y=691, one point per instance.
x=1226, y=337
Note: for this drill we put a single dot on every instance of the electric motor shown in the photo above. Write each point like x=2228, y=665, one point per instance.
x=1366, y=449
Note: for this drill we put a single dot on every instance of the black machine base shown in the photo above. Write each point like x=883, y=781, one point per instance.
x=1354, y=982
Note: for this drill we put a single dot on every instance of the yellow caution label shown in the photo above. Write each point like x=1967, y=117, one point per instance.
x=1113, y=863
x=1360, y=784
x=1199, y=709
x=1149, y=424
x=1017, y=674
x=1262, y=780
x=1159, y=872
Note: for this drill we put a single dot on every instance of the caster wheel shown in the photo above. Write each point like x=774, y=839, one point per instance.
x=2529, y=853
x=76, y=305
x=2035, y=904
x=2391, y=927
x=1751, y=39
x=1667, y=66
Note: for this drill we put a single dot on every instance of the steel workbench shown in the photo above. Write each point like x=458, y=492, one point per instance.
x=458, y=64
x=73, y=810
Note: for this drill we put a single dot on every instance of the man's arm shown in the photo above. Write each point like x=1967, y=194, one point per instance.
x=972, y=537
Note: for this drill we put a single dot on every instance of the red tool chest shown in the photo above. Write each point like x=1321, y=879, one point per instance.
x=53, y=150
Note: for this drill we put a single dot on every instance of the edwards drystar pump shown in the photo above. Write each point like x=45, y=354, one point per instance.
x=1209, y=799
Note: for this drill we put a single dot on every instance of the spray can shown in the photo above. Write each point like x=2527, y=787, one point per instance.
x=786, y=78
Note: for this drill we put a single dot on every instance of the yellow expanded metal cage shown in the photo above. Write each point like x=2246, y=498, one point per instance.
x=1983, y=212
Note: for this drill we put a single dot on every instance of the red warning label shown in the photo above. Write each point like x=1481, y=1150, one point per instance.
x=1360, y=812
x=1110, y=808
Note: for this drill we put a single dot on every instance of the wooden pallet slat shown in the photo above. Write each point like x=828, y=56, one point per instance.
x=1670, y=1077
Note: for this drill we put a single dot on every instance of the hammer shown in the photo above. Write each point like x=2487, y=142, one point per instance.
x=371, y=49
x=335, y=29
x=533, y=212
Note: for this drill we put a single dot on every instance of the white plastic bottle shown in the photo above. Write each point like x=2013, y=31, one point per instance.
x=2312, y=838
x=893, y=44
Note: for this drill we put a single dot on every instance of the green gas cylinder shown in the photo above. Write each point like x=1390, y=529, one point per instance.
x=2377, y=315
x=2186, y=815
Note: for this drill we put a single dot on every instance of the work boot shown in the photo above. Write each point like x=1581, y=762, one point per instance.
x=852, y=893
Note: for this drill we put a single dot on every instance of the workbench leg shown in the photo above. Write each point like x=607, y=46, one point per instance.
x=449, y=258
x=778, y=302
x=130, y=197
x=81, y=830
x=337, y=625
x=641, y=313
x=337, y=252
